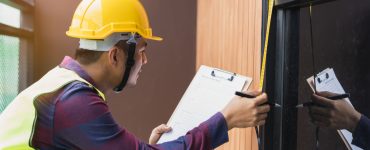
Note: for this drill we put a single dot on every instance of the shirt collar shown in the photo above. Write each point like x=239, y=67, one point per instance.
x=71, y=64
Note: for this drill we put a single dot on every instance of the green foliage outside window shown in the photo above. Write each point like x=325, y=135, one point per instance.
x=9, y=56
x=9, y=67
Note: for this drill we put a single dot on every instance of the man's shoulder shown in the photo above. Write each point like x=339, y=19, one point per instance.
x=78, y=104
x=77, y=89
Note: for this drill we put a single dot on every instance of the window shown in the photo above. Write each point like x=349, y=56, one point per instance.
x=15, y=43
x=9, y=66
x=10, y=16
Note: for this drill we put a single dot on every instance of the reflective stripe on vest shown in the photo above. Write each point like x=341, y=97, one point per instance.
x=17, y=120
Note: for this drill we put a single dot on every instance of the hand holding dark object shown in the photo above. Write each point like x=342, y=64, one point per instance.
x=336, y=114
x=244, y=112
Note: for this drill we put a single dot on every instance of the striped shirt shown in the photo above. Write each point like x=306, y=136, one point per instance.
x=76, y=117
x=361, y=135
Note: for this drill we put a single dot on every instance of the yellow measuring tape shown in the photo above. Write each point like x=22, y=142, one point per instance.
x=263, y=67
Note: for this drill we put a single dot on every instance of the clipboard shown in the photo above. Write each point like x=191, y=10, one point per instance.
x=326, y=80
x=208, y=93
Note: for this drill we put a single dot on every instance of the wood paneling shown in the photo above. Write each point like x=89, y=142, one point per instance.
x=229, y=37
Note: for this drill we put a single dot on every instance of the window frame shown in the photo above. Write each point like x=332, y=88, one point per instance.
x=26, y=35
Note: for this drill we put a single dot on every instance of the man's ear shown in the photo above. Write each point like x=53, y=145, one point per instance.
x=113, y=55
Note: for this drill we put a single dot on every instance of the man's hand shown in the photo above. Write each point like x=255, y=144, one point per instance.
x=337, y=114
x=244, y=112
x=157, y=133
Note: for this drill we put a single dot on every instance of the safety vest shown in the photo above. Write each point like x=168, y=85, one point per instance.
x=18, y=119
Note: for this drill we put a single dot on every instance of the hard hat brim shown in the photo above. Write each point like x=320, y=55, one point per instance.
x=154, y=38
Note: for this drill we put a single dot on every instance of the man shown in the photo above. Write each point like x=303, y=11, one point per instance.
x=66, y=109
x=339, y=114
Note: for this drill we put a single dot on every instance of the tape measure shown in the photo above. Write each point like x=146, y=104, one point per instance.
x=263, y=67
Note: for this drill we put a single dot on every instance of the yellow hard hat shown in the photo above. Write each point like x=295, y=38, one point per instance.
x=97, y=19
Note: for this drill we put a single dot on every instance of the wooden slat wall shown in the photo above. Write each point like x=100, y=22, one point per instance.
x=229, y=37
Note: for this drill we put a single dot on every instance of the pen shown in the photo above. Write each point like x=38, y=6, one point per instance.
x=241, y=94
x=340, y=96
x=336, y=97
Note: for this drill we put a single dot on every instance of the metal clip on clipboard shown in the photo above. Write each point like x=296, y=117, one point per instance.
x=322, y=77
x=219, y=75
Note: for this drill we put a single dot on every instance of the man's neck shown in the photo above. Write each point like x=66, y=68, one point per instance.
x=97, y=73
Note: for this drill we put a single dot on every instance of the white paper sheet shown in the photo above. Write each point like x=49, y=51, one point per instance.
x=206, y=95
x=327, y=81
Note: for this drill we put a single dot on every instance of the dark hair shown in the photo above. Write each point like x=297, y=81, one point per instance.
x=86, y=57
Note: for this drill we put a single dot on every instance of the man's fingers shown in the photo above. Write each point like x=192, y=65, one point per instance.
x=320, y=111
x=261, y=123
x=261, y=99
x=322, y=101
x=262, y=117
x=318, y=118
x=326, y=94
x=253, y=93
x=162, y=129
x=263, y=109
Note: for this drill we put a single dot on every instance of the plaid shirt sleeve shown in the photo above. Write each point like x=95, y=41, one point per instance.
x=82, y=121
x=208, y=135
x=361, y=135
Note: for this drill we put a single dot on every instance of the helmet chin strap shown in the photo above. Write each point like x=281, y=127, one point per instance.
x=129, y=63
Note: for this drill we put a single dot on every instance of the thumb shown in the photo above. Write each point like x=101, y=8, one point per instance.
x=322, y=100
x=162, y=129
x=326, y=94
x=254, y=92
x=261, y=99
